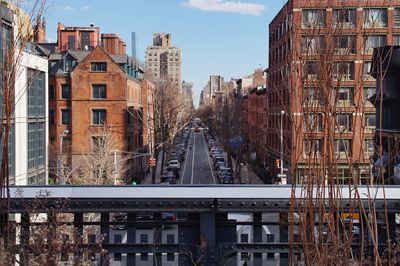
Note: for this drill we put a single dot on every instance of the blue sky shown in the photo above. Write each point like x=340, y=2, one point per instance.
x=226, y=37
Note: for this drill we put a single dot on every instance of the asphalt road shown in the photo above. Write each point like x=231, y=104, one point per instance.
x=197, y=167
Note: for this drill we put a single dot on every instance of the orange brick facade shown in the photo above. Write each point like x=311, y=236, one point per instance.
x=286, y=85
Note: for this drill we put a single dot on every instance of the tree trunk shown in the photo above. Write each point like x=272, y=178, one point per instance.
x=162, y=160
x=154, y=168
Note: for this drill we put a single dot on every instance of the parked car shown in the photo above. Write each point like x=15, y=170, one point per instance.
x=218, y=158
x=174, y=164
x=224, y=170
x=167, y=176
x=226, y=179
x=219, y=163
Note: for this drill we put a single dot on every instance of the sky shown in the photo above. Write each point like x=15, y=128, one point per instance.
x=217, y=37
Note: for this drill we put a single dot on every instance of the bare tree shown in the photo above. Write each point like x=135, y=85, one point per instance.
x=171, y=114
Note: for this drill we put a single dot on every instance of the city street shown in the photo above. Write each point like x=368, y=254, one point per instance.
x=197, y=167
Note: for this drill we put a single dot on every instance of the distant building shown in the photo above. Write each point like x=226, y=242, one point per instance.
x=164, y=60
x=187, y=89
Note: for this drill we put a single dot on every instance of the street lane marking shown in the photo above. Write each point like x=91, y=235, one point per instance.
x=193, y=147
x=208, y=156
x=187, y=155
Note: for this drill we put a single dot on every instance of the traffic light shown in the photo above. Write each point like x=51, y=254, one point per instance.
x=277, y=163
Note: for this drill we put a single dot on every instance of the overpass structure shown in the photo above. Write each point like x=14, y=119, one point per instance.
x=207, y=227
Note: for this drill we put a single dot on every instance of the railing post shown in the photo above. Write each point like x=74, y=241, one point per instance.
x=78, y=220
x=157, y=239
x=283, y=236
x=25, y=224
x=105, y=232
x=207, y=239
x=257, y=236
x=131, y=237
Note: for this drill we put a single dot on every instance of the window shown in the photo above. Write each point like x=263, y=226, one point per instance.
x=368, y=147
x=52, y=92
x=117, y=239
x=343, y=70
x=68, y=64
x=98, y=66
x=65, y=117
x=312, y=147
x=313, y=122
x=117, y=257
x=344, y=122
x=144, y=239
x=311, y=69
x=396, y=39
x=373, y=41
x=313, y=18
x=65, y=91
x=99, y=116
x=52, y=117
x=36, y=146
x=99, y=91
x=98, y=143
x=396, y=18
x=36, y=93
x=375, y=17
x=342, y=147
x=344, y=95
x=312, y=44
x=368, y=92
x=313, y=96
x=345, y=44
x=366, y=70
x=370, y=122
x=344, y=18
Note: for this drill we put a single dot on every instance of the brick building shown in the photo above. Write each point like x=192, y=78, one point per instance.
x=319, y=59
x=96, y=88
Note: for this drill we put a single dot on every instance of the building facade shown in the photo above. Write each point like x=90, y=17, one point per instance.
x=164, y=60
x=26, y=75
x=319, y=61
x=97, y=94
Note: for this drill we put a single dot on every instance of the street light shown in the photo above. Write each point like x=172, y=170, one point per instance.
x=283, y=179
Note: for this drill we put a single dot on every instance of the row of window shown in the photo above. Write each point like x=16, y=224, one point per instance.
x=342, y=147
x=342, y=18
x=347, y=17
x=343, y=95
x=344, y=44
x=344, y=122
x=99, y=116
x=98, y=91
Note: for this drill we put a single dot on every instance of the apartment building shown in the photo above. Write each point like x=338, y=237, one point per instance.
x=94, y=89
x=319, y=61
x=164, y=60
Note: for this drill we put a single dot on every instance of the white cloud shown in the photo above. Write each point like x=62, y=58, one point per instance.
x=68, y=8
x=233, y=6
x=85, y=7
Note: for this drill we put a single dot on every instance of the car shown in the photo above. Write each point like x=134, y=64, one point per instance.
x=218, y=158
x=167, y=176
x=174, y=164
x=219, y=163
x=196, y=129
x=224, y=170
x=226, y=179
x=214, y=148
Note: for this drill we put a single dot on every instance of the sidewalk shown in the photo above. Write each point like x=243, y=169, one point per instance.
x=147, y=178
x=248, y=176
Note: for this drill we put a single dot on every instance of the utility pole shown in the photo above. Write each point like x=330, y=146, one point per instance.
x=283, y=179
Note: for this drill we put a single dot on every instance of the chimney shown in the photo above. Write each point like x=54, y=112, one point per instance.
x=112, y=44
x=39, y=35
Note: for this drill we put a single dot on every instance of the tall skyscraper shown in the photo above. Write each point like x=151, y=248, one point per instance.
x=164, y=60
x=134, y=45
